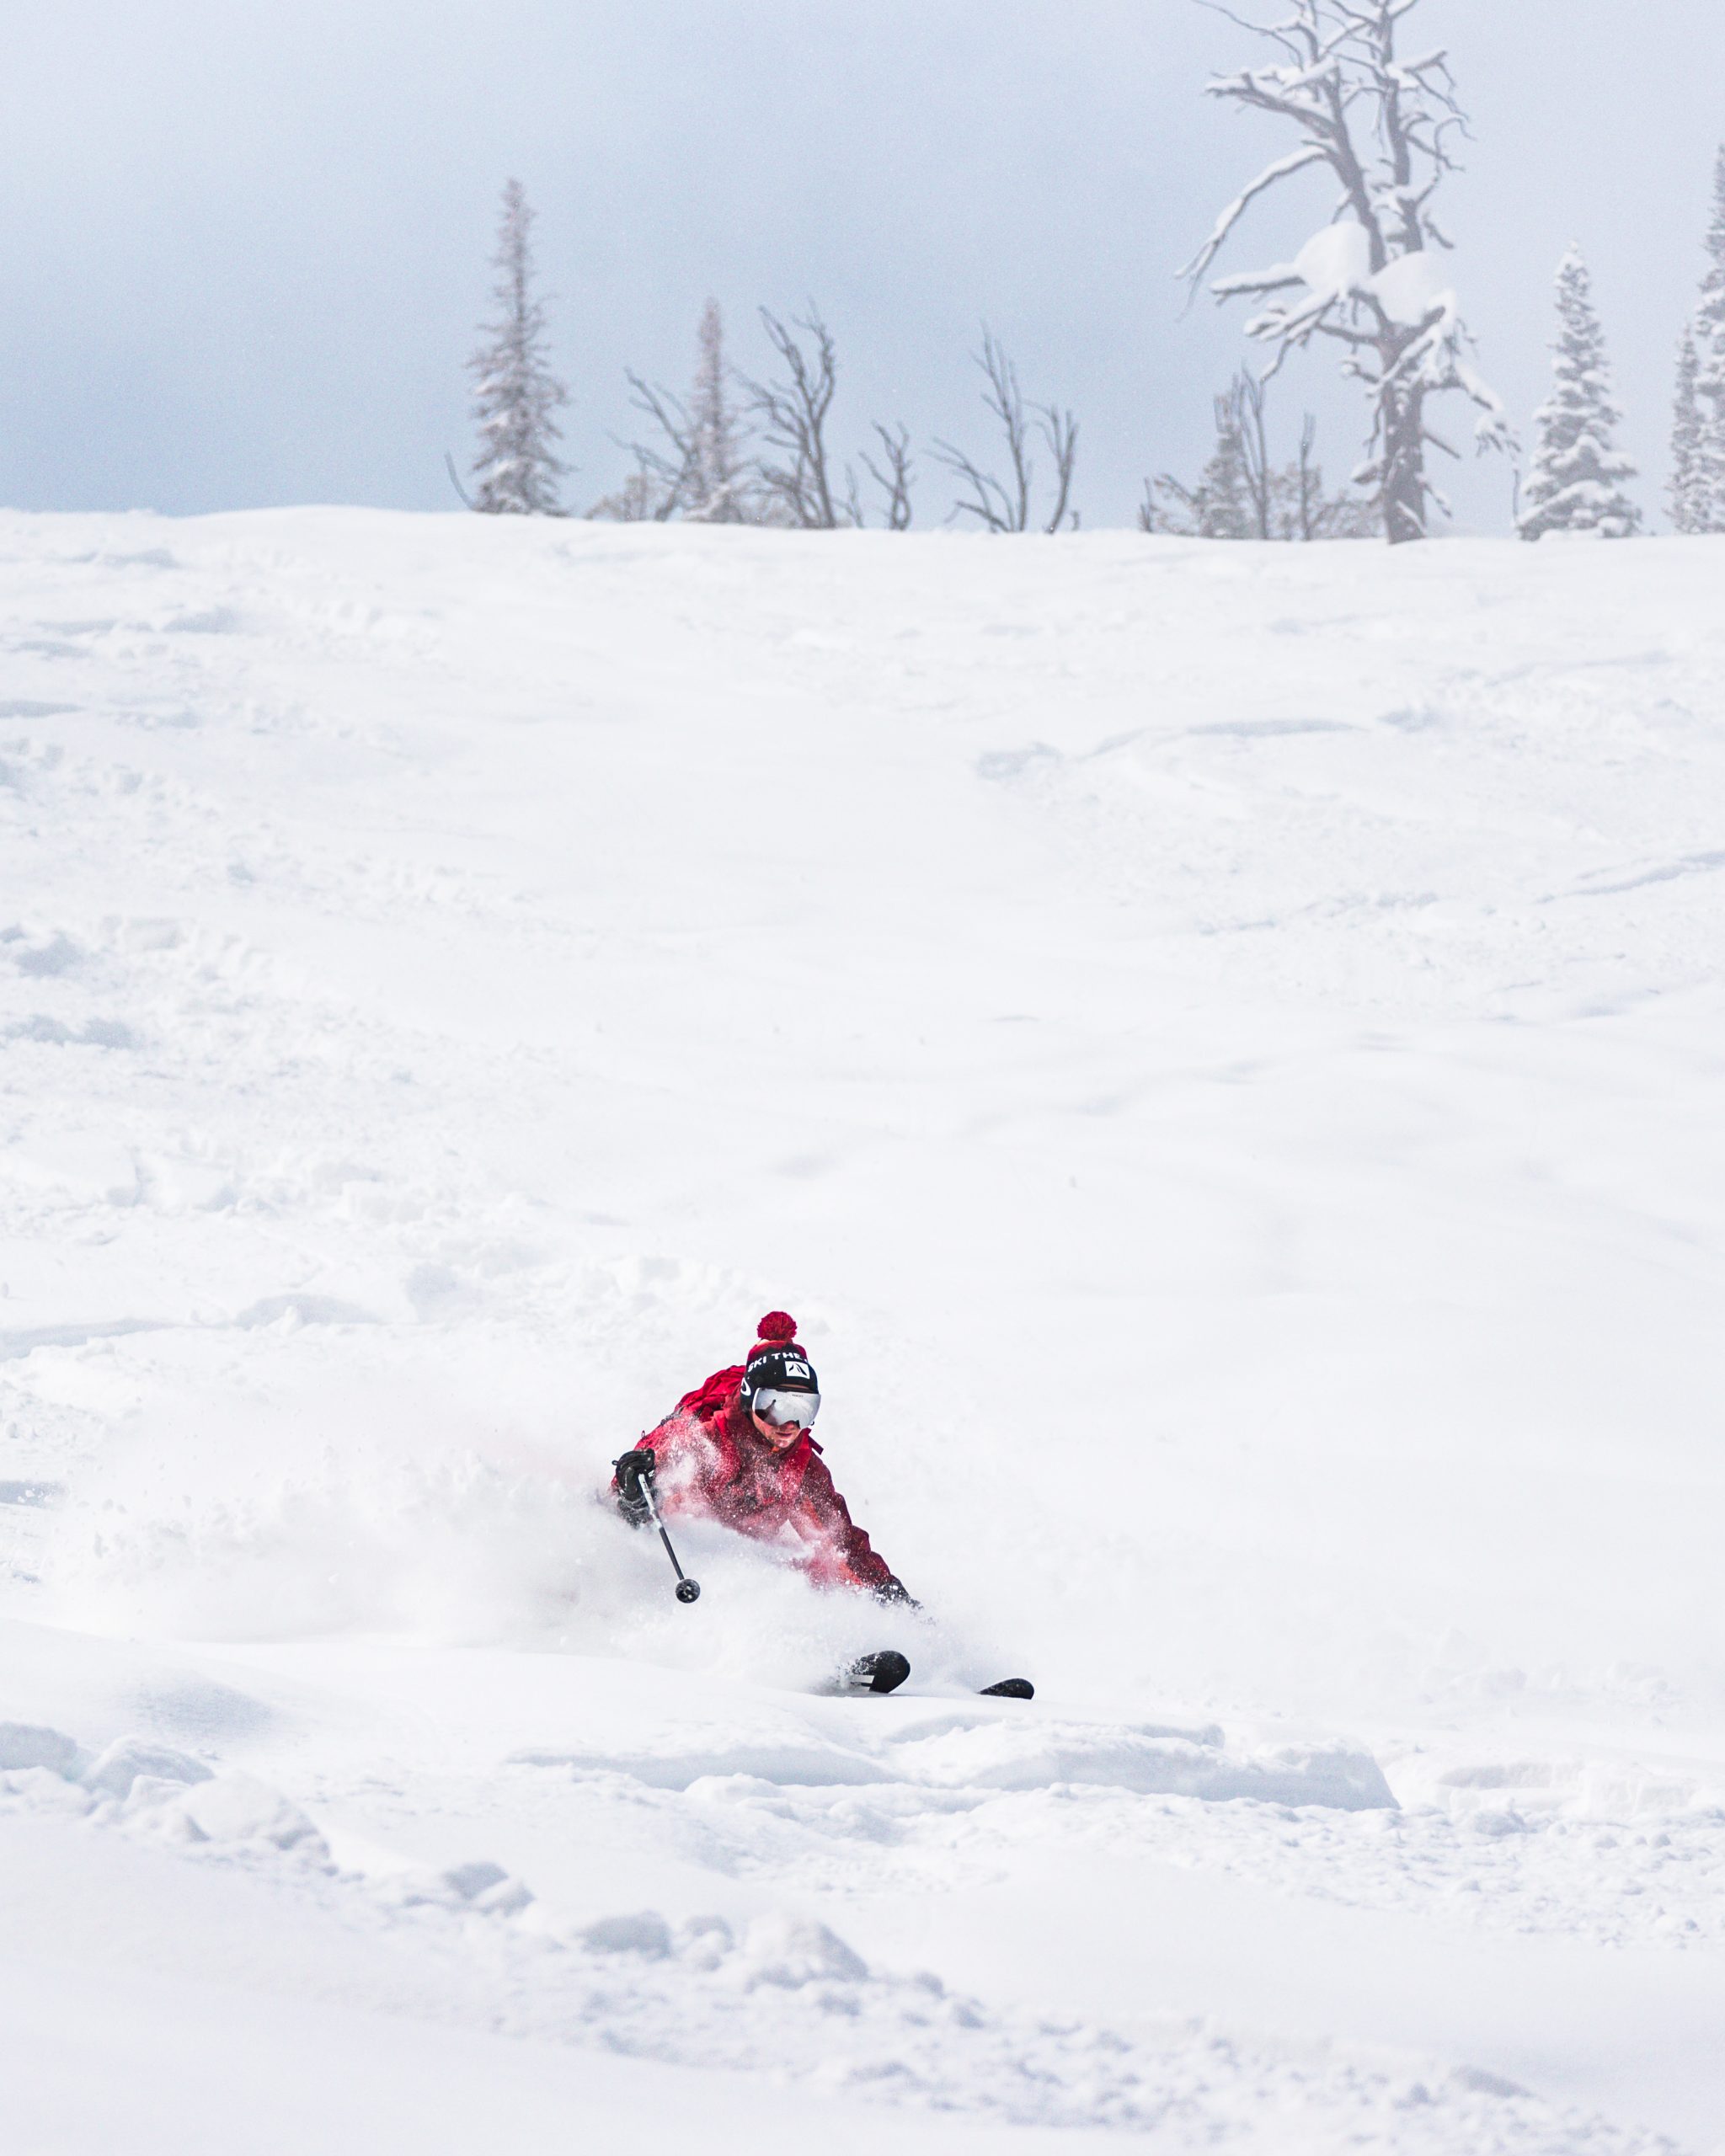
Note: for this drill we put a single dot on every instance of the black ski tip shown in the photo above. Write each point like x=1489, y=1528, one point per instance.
x=878, y=1673
x=1010, y=1688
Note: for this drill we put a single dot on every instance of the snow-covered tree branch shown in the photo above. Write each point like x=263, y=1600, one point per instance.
x=1383, y=126
x=516, y=392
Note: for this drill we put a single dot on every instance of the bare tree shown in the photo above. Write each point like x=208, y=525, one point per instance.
x=999, y=507
x=792, y=415
x=1309, y=505
x=515, y=393
x=666, y=470
x=1061, y=431
x=1259, y=475
x=995, y=507
x=895, y=483
x=1383, y=126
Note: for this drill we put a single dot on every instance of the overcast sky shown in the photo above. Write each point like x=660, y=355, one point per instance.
x=245, y=241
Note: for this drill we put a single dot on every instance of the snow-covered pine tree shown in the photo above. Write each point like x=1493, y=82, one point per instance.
x=516, y=471
x=1243, y=493
x=1382, y=125
x=1707, y=483
x=1219, y=506
x=718, y=477
x=1577, y=478
x=695, y=466
x=1687, y=492
x=640, y=500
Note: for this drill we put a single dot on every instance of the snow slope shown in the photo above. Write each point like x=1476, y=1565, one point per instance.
x=1219, y=1047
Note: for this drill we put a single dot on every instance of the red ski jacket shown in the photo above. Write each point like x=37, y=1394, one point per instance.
x=714, y=1464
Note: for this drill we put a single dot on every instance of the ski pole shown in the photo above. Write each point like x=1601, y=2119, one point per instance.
x=687, y=1590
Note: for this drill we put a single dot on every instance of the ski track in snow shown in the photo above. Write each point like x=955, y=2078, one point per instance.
x=1204, y=1119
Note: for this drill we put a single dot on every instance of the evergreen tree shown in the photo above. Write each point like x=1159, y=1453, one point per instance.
x=517, y=470
x=1688, y=490
x=716, y=476
x=1243, y=493
x=1219, y=506
x=1576, y=481
x=695, y=465
x=1707, y=484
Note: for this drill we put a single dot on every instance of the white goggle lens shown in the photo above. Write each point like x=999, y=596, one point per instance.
x=780, y=1408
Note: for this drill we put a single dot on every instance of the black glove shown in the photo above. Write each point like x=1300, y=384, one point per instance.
x=632, y=1470
x=894, y=1590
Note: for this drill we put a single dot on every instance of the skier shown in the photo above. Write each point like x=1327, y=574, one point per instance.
x=741, y=1450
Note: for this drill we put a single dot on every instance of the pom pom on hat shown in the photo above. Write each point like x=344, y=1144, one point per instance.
x=779, y=1328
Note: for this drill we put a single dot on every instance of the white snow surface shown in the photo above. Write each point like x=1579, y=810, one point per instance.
x=1219, y=1047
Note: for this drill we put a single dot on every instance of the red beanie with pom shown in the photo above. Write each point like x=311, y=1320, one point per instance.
x=777, y=1359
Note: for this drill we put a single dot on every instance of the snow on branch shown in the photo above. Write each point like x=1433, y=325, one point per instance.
x=1314, y=153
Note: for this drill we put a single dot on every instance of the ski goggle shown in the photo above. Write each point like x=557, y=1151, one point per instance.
x=783, y=1408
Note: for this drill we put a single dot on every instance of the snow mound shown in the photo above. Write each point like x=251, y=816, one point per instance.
x=238, y=1807
x=1154, y=1761
x=23, y=1746
x=115, y=1770
x=789, y=1757
x=980, y=1747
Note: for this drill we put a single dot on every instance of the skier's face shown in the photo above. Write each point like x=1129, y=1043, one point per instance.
x=781, y=1414
x=781, y=1436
